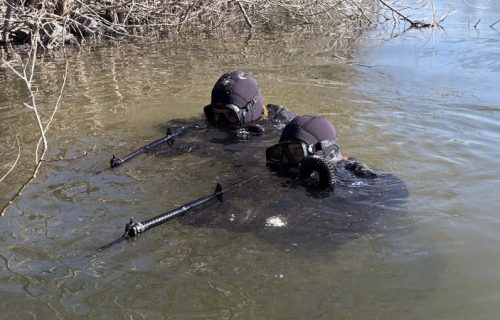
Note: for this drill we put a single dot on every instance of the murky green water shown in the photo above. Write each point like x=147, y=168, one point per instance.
x=423, y=106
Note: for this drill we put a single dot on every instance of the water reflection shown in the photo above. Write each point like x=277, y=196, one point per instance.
x=439, y=88
x=118, y=98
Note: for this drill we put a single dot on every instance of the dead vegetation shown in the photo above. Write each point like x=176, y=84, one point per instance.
x=72, y=21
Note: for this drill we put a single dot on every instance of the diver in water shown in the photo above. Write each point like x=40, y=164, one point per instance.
x=308, y=149
x=272, y=208
x=237, y=102
x=236, y=110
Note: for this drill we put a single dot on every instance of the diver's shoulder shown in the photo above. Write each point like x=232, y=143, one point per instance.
x=353, y=172
x=357, y=168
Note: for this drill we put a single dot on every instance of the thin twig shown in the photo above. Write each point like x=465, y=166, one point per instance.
x=31, y=61
x=245, y=15
x=27, y=77
x=475, y=26
x=6, y=22
x=362, y=11
x=397, y=12
x=33, y=175
x=443, y=17
x=84, y=154
x=474, y=6
x=15, y=162
x=21, y=189
x=58, y=103
x=491, y=26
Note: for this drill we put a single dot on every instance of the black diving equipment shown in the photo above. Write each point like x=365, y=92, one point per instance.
x=230, y=114
x=168, y=138
x=133, y=229
x=292, y=153
x=224, y=115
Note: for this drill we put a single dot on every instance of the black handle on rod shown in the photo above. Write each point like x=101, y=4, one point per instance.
x=132, y=229
x=168, y=138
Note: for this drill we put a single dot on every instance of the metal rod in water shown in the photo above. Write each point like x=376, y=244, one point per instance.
x=132, y=229
x=168, y=138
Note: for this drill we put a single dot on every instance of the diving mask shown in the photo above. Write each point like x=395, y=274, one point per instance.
x=292, y=153
x=225, y=115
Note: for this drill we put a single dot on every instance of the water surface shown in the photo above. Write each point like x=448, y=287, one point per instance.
x=422, y=106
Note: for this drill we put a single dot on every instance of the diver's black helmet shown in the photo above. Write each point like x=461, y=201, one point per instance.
x=236, y=100
x=307, y=147
x=313, y=131
x=302, y=138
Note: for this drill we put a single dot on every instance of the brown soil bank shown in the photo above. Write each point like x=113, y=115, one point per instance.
x=53, y=23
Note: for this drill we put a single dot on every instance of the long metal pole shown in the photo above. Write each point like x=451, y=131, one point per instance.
x=168, y=138
x=133, y=229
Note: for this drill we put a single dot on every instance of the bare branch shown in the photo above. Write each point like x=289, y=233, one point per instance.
x=247, y=19
x=56, y=107
x=28, y=69
x=15, y=162
x=475, y=26
x=397, y=12
x=413, y=24
x=361, y=10
x=84, y=154
x=21, y=189
x=6, y=22
x=474, y=6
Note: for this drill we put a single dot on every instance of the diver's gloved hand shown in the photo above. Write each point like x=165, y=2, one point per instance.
x=317, y=173
x=359, y=169
x=279, y=113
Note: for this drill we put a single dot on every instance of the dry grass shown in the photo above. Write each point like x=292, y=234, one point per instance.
x=80, y=19
x=73, y=21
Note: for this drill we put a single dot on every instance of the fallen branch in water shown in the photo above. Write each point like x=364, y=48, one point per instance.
x=492, y=25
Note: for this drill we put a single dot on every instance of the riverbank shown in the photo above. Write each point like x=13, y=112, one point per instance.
x=55, y=23
x=59, y=22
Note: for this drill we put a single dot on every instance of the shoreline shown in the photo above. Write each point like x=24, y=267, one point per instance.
x=54, y=24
